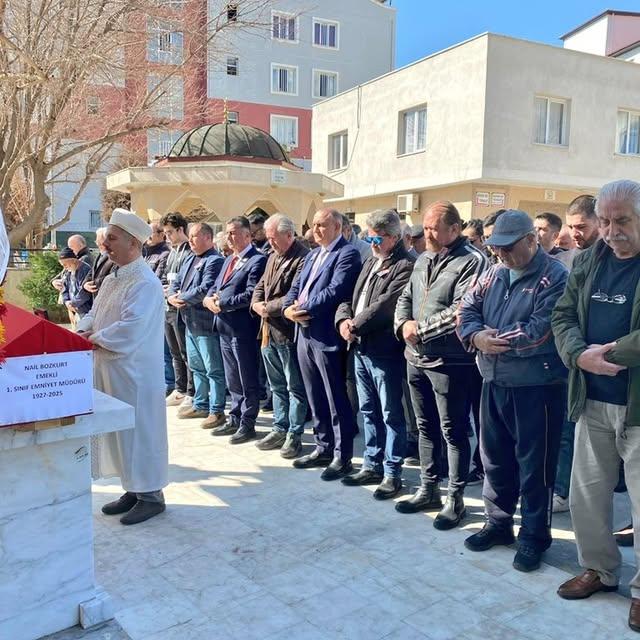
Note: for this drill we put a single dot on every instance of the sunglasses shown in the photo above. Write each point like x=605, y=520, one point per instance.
x=376, y=241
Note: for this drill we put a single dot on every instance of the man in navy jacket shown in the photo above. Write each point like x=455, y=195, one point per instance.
x=506, y=320
x=186, y=293
x=229, y=299
x=327, y=279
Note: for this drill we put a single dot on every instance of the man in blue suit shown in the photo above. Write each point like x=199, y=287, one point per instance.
x=186, y=293
x=229, y=299
x=327, y=279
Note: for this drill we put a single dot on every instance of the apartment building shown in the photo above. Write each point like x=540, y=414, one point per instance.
x=489, y=123
x=268, y=75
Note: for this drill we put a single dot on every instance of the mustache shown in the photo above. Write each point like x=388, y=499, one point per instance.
x=618, y=237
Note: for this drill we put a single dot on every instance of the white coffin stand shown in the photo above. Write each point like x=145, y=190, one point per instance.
x=47, y=580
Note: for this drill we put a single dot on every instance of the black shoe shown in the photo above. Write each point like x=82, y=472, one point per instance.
x=624, y=537
x=227, y=429
x=243, y=434
x=527, y=559
x=488, y=537
x=273, y=440
x=121, y=505
x=424, y=499
x=362, y=478
x=475, y=477
x=314, y=459
x=142, y=511
x=292, y=446
x=336, y=470
x=452, y=513
x=412, y=461
x=388, y=488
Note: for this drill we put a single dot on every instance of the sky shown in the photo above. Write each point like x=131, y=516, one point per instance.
x=425, y=26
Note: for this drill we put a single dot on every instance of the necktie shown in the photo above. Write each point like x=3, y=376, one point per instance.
x=302, y=298
x=229, y=271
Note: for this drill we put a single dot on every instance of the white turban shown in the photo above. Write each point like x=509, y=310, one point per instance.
x=131, y=223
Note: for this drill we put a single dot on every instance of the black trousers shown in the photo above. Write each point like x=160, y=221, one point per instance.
x=520, y=438
x=174, y=329
x=476, y=393
x=441, y=400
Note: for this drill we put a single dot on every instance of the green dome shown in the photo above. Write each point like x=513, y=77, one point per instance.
x=228, y=140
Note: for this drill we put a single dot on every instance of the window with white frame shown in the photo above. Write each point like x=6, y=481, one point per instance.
x=165, y=43
x=161, y=141
x=284, y=26
x=338, y=150
x=285, y=130
x=232, y=66
x=93, y=105
x=325, y=83
x=628, y=133
x=413, y=130
x=325, y=33
x=232, y=12
x=166, y=93
x=95, y=218
x=284, y=79
x=551, y=121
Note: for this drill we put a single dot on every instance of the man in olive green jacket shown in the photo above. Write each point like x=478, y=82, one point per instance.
x=596, y=324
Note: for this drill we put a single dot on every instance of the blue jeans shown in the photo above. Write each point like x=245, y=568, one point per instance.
x=565, y=459
x=379, y=386
x=205, y=361
x=169, y=374
x=289, y=395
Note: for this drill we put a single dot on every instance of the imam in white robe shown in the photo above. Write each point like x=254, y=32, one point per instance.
x=127, y=325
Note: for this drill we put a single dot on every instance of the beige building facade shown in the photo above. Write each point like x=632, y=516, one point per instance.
x=490, y=123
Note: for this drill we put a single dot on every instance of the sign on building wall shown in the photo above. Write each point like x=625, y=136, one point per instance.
x=498, y=199
x=482, y=198
x=278, y=176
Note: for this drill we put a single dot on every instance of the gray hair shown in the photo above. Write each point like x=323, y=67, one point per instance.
x=620, y=191
x=386, y=221
x=281, y=223
x=335, y=214
x=101, y=232
x=79, y=238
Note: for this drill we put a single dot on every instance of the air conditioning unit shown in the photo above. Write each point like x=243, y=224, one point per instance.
x=408, y=202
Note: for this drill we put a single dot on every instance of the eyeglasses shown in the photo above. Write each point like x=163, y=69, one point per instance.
x=376, y=241
x=600, y=296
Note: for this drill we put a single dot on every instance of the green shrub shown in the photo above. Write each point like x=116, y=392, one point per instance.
x=37, y=287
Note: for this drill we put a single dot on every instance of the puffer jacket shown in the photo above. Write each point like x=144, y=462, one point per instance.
x=431, y=298
x=521, y=312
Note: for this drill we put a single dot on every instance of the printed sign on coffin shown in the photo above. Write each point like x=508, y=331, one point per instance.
x=48, y=372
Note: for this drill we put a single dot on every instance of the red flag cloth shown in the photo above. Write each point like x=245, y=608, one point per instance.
x=29, y=335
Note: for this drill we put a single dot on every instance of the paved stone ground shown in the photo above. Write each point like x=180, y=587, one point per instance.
x=250, y=548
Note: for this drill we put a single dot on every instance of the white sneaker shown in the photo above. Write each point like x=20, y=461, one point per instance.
x=187, y=401
x=560, y=504
x=174, y=398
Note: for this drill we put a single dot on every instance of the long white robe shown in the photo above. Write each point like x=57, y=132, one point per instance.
x=127, y=325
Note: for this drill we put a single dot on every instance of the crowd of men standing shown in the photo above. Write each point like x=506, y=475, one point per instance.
x=491, y=323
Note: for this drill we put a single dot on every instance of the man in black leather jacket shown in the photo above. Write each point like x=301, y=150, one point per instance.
x=439, y=369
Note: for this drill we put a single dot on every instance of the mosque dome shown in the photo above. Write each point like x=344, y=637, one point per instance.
x=228, y=140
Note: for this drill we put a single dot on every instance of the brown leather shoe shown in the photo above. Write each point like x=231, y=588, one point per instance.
x=585, y=585
x=213, y=420
x=634, y=614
